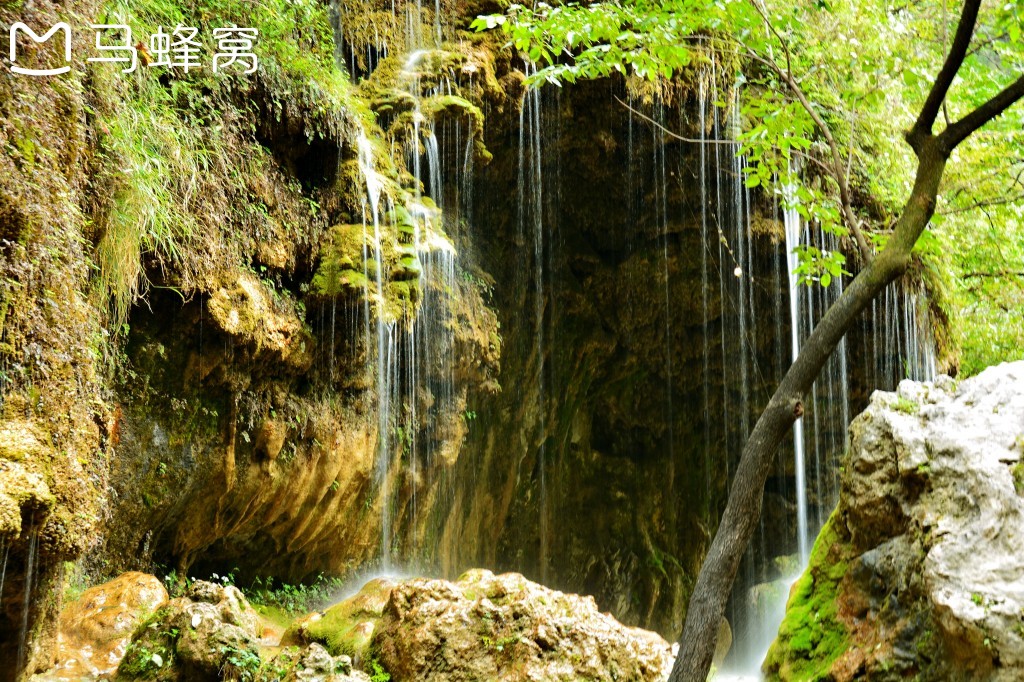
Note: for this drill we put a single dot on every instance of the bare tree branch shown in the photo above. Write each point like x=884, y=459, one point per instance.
x=959, y=131
x=984, y=203
x=682, y=138
x=937, y=95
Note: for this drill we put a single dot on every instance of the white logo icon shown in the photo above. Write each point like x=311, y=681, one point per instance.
x=19, y=26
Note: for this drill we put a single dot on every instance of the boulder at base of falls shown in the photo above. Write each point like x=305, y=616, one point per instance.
x=95, y=628
x=210, y=631
x=483, y=627
x=211, y=634
x=919, y=573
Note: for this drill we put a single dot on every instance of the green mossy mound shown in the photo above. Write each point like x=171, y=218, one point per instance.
x=347, y=627
x=811, y=637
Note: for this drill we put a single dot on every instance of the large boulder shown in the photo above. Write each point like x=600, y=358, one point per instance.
x=346, y=628
x=95, y=628
x=919, y=572
x=208, y=634
x=485, y=627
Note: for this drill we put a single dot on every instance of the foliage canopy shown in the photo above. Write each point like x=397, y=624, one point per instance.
x=827, y=93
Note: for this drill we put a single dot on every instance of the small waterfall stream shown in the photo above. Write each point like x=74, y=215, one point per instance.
x=819, y=437
x=30, y=572
x=794, y=231
x=411, y=347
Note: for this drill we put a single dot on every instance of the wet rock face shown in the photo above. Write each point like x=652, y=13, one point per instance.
x=603, y=458
x=250, y=429
x=930, y=527
x=487, y=627
x=52, y=410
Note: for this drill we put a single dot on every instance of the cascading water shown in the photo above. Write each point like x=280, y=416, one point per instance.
x=30, y=569
x=819, y=437
x=410, y=343
x=740, y=282
x=794, y=230
x=532, y=228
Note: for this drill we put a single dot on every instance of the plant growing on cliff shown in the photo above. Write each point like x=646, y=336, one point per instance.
x=377, y=672
x=818, y=78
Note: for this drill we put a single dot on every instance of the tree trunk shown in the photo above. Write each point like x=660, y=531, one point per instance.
x=710, y=594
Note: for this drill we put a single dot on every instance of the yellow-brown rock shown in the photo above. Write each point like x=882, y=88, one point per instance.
x=95, y=629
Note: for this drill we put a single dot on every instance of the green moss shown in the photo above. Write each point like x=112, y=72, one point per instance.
x=1018, y=477
x=341, y=263
x=377, y=672
x=811, y=636
x=408, y=268
x=347, y=627
x=906, y=406
x=275, y=614
x=401, y=217
x=453, y=105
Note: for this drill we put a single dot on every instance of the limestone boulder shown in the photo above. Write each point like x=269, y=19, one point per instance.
x=487, y=627
x=95, y=629
x=919, y=571
x=208, y=634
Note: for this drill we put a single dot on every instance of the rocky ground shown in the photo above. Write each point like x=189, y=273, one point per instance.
x=480, y=627
x=918, y=574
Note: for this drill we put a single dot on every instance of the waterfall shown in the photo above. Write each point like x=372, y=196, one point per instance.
x=662, y=214
x=818, y=437
x=532, y=227
x=745, y=329
x=30, y=569
x=412, y=343
x=381, y=334
x=794, y=230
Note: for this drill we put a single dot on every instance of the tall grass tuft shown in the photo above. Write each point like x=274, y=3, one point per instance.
x=153, y=163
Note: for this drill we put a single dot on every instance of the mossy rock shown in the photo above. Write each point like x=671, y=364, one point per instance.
x=400, y=297
x=344, y=246
x=392, y=101
x=408, y=269
x=346, y=628
x=455, y=106
x=22, y=440
x=341, y=268
x=21, y=490
x=812, y=637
